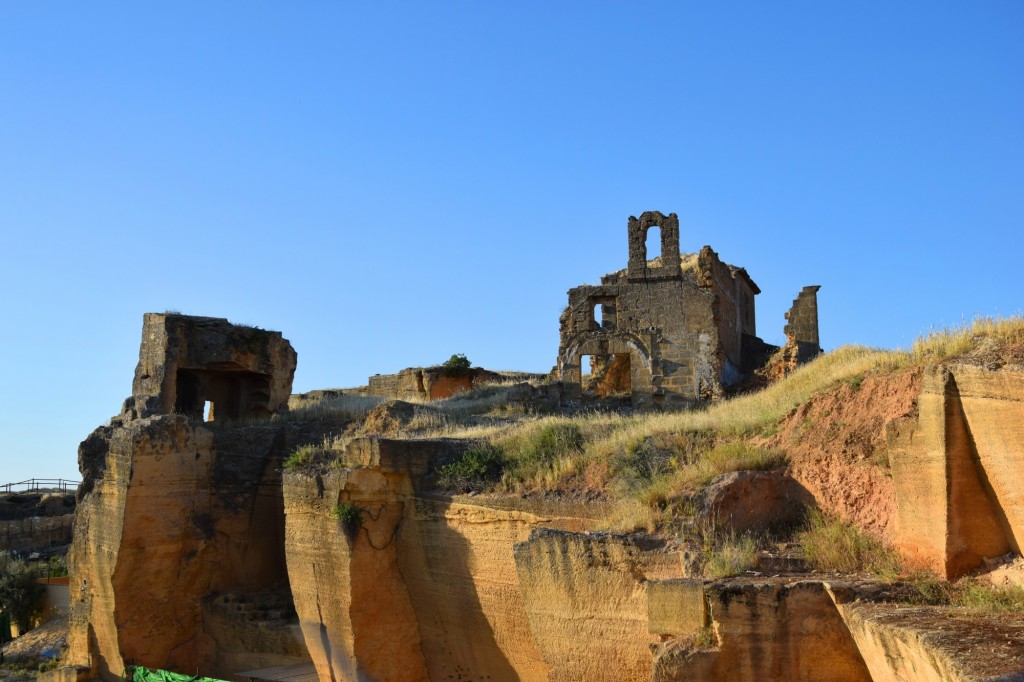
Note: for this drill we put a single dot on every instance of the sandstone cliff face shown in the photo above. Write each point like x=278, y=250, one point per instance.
x=172, y=521
x=173, y=512
x=190, y=552
x=957, y=469
x=353, y=606
x=426, y=587
x=586, y=598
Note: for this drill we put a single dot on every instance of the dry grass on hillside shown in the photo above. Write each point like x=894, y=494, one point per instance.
x=654, y=460
x=651, y=460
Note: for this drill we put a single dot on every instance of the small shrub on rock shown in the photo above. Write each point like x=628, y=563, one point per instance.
x=478, y=467
x=349, y=515
x=457, y=365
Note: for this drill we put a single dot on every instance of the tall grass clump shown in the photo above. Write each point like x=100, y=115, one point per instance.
x=832, y=546
x=733, y=554
x=330, y=453
x=347, y=406
x=737, y=455
x=979, y=596
x=478, y=467
x=543, y=452
x=945, y=343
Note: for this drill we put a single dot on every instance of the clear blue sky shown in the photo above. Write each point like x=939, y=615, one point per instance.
x=390, y=183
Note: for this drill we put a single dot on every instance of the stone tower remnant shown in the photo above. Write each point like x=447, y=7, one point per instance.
x=680, y=326
x=187, y=363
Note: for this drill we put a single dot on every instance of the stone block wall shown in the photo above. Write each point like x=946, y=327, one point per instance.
x=187, y=361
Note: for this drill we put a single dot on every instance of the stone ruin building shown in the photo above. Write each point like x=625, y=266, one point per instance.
x=207, y=368
x=679, y=327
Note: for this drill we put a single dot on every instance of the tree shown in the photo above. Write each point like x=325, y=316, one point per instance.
x=21, y=597
x=457, y=365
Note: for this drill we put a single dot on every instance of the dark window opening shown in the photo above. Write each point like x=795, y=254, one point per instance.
x=221, y=394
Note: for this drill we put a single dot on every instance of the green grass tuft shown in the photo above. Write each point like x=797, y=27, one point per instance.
x=832, y=546
x=478, y=467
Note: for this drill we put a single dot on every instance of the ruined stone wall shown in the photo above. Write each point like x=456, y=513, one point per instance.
x=667, y=327
x=185, y=361
x=681, y=327
x=802, y=320
x=640, y=268
x=427, y=383
x=405, y=385
x=719, y=278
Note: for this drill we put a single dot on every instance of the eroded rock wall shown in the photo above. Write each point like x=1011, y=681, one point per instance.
x=957, y=467
x=586, y=599
x=426, y=586
x=36, y=532
x=353, y=605
x=180, y=513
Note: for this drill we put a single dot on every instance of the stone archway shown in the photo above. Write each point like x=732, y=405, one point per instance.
x=623, y=364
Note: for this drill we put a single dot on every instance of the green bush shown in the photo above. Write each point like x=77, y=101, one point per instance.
x=551, y=442
x=301, y=457
x=20, y=595
x=476, y=468
x=542, y=453
x=642, y=463
x=349, y=515
x=456, y=365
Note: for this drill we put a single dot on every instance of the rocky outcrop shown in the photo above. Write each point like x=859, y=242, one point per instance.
x=172, y=522
x=173, y=512
x=933, y=644
x=586, y=598
x=422, y=586
x=755, y=502
x=957, y=469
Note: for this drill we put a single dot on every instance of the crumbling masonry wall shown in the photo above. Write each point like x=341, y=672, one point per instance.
x=187, y=361
x=678, y=321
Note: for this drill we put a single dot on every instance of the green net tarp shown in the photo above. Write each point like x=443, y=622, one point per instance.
x=140, y=674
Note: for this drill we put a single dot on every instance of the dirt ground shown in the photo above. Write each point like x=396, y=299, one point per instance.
x=23, y=656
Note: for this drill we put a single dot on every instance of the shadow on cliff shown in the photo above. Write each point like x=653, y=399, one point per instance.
x=436, y=561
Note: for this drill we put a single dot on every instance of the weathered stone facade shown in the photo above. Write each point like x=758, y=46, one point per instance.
x=186, y=362
x=679, y=326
